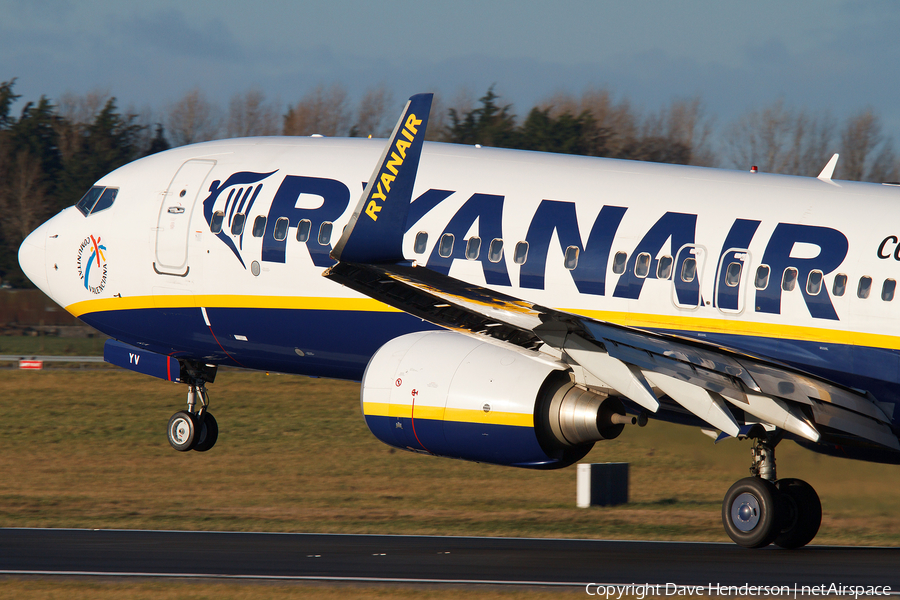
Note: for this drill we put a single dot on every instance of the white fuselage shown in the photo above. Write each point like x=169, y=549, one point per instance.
x=630, y=230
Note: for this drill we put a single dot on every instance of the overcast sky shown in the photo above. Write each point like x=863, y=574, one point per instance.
x=736, y=56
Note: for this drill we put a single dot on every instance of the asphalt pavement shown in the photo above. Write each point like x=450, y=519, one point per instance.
x=435, y=559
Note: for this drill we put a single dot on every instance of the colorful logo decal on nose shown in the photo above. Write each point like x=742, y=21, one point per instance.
x=92, y=265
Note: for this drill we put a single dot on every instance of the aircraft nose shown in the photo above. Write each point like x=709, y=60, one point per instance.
x=32, y=258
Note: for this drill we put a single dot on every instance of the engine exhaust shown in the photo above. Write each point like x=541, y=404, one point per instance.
x=577, y=416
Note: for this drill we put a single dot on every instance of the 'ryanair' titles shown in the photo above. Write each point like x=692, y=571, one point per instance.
x=391, y=167
x=673, y=230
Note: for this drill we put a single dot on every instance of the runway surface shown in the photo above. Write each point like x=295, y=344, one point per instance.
x=434, y=559
x=47, y=359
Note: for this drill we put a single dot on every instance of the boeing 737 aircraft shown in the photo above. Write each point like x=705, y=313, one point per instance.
x=504, y=306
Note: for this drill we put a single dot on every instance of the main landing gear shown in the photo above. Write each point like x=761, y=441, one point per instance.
x=194, y=428
x=761, y=509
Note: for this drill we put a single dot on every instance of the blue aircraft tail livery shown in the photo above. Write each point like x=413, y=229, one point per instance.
x=375, y=232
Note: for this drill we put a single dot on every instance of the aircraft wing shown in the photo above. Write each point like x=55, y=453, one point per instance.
x=725, y=388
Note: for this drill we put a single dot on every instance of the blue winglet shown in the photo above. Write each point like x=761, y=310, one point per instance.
x=375, y=232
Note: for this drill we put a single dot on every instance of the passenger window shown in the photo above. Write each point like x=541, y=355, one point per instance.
x=215, y=224
x=571, y=257
x=814, y=283
x=664, y=268
x=87, y=202
x=688, y=269
x=106, y=200
x=445, y=249
x=281, y=228
x=325, y=233
x=237, y=224
x=887, y=290
x=521, y=254
x=259, y=226
x=619, y=261
x=762, y=277
x=303, y=228
x=473, y=248
x=642, y=265
x=733, y=274
x=789, y=279
x=840, y=284
x=865, y=286
x=421, y=242
x=495, y=250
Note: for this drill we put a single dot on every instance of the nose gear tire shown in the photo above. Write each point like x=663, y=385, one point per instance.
x=208, y=433
x=182, y=430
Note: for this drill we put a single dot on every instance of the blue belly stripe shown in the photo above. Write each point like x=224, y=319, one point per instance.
x=339, y=343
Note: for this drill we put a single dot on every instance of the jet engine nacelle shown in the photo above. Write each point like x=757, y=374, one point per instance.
x=452, y=395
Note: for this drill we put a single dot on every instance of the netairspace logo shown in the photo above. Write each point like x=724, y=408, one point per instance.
x=653, y=590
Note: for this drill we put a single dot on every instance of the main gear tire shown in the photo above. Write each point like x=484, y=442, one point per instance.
x=750, y=512
x=802, y=513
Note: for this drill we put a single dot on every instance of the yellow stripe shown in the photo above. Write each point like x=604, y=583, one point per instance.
x=383, y=409
x=641, y=320
x=737, y=327
x=435, y=413
x=466, y=415
x=459, y=415
x=378, y=409
x=228, y=301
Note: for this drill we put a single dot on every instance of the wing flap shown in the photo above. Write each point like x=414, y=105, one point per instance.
x=625, y=379
x=444, y=301
x=854, y=424
x=780, y=414
x=707, y=405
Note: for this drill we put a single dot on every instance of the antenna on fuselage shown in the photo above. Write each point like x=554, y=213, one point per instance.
x=828, y=171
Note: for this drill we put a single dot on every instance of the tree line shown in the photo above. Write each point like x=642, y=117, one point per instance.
x=52, y=152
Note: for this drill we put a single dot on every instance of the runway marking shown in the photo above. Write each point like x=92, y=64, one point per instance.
x=396, y=535
x=298, y=578
x=433, y=537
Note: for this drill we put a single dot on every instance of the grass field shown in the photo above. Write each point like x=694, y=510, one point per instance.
x=21, y=345
x=88, y=449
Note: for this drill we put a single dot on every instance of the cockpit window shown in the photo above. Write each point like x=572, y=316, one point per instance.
x=87, y=202
x=106, y=199
x=98, y=198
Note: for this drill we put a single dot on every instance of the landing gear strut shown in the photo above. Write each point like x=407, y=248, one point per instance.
x=194, y=428
x=761, y=509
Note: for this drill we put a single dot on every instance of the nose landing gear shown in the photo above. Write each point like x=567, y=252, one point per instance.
x=760, y=510
x=194, y=429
